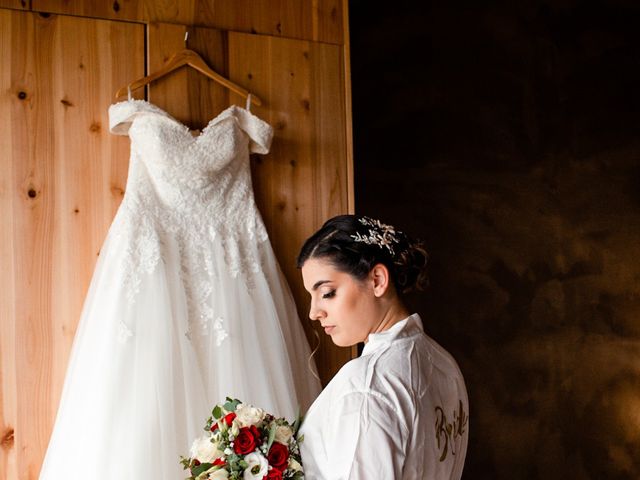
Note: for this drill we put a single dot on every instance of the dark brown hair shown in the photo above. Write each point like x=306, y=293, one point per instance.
x=355, y=244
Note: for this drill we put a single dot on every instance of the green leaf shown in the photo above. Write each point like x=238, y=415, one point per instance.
x=272, y=436
x=203, y=467
x=231, y=404
x=297, y=423
x=217, y=412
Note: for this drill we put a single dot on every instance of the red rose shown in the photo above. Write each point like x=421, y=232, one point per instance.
x=247, y=440
x=218, y=462
x=228, y=419
x=278, y=456
x=274, y=474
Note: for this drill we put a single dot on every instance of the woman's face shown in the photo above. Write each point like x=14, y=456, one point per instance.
x=345, y=307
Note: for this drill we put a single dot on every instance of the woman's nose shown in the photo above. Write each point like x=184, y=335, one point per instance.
x=314, y=312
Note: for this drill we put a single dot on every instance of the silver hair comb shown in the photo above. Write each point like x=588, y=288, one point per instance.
x=380, y=234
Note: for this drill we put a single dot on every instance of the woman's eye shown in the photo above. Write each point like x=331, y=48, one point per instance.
x=330, y=294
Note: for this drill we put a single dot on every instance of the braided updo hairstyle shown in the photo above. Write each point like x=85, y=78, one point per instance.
x=355, y=244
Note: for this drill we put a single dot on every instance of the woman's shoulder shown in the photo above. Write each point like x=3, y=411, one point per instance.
x=415, y=347
x=359, y=376
x=407, y=362
x=414, y=365
x=442, y=361
x=351, y=375
x=384, y=373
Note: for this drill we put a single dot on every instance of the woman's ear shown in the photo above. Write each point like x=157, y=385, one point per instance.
x=379, y=276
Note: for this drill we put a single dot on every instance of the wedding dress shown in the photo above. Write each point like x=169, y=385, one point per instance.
x=187, y=305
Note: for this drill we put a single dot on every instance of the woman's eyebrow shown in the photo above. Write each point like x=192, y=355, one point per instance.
x=319, y=283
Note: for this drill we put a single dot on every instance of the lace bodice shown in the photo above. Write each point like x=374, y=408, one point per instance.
x=191, y=190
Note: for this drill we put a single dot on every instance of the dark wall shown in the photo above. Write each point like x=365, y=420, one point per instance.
x=507, y=135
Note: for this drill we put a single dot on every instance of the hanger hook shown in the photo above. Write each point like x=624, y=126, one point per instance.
x=186, y=39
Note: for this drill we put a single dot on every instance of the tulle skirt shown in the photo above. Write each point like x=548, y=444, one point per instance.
x=141, y=381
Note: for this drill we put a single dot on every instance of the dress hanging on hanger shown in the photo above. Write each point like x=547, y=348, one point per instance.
x=187, y=303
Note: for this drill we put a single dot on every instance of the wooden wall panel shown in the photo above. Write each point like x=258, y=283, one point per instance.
x=304, y=180
x=132, y=10
x=17, y=4
x=67, y=180
x=8, y=374
x=189, y=96
x=317, y=20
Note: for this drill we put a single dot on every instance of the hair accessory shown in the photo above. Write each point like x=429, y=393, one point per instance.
x=380, y=234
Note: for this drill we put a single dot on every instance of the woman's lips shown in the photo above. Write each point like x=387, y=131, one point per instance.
x=328, y=329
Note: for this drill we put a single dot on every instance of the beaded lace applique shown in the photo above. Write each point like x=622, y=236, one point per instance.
x=194, y=193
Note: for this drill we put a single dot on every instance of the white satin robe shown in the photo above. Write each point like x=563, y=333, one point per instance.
x=399, y=411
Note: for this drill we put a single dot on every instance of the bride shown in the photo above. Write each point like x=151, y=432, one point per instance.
x=400, y=410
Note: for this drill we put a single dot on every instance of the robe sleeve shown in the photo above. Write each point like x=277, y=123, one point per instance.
x=366, y=439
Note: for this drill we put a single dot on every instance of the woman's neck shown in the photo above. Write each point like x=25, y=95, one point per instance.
x=392, y=314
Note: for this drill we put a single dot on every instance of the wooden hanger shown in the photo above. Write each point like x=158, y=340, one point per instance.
x=192, y=59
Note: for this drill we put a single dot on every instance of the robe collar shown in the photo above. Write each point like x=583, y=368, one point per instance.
x=404, y=328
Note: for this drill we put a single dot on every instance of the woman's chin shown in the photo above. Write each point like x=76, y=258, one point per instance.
x=342, y=342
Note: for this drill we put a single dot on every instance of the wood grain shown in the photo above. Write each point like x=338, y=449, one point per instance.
x=316, y=20
x=67, y=179
x=15, y=4
x=303, y=181
x=348, y=111
x=186, y=94
x=9, y=21
x=131, y=10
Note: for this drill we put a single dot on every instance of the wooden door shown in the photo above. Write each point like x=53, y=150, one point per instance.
x=62, y=179
x=63, y=176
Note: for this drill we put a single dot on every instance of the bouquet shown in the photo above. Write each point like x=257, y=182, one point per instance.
x=244, y=442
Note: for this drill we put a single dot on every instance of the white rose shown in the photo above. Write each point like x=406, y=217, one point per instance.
x=283, y=434
x=214, y=473
x=246, y=415
x=204, y=450
x=294, y=465
x=221, y=474
x=257, y=467
x=235, y=429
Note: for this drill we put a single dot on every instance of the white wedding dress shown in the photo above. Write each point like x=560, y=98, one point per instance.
x=187, y=305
